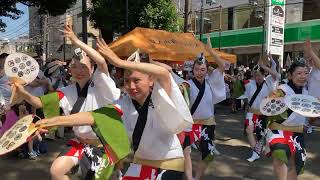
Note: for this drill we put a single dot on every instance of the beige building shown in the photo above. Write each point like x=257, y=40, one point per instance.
x=20, y=44
x=238, y=27
x=52, y=41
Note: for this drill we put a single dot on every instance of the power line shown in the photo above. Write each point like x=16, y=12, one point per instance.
x=27, y=21
x=14, y=27
x=19, y=35
x=21, y=26
x=49, y=26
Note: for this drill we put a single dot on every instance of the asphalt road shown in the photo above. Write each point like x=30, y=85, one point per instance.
x=231, y=165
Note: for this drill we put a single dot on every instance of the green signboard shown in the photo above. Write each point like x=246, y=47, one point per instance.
x=278, y=2
x=294, y=33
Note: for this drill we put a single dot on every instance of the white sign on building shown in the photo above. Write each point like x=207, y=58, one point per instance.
x=275, y=28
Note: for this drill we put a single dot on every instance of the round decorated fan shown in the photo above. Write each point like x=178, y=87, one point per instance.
x=272, y=106
x=304, y=105
x=22, y=66
x=21, y=69
x=17, y=134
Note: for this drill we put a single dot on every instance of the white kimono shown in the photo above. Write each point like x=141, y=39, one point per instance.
x=294, y=119
x=269, y=85
x=314, y=82
x=5, y=88
x=167, y=116
x=102, y=91
x=214, y=93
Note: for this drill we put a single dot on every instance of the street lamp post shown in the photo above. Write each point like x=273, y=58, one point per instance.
x=186, y=15
x=220, y=26
x=264, y=28
x=201, y=20
x=84, y=22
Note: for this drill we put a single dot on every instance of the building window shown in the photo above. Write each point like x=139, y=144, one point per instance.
x=310, y=9
x=230, y=18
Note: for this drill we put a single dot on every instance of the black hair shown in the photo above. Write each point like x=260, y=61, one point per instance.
x=3, y=55
x=295, y=65
x=261, y=70
x=248, y=74
x=77, y=58
x=200, y=60
x=235, y=72
x=251, y=65
x=144, y=57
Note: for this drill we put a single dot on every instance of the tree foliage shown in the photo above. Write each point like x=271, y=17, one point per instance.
x=109, y=15
x=9, y=9
x=161, y=14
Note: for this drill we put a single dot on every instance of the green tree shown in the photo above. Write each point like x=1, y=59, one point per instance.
x=9, y=9
x=161, y=14
x=109, y=16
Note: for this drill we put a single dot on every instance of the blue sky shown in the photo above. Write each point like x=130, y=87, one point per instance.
x=17, y=27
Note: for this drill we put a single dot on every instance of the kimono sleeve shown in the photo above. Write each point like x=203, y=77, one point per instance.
x=172, y=111
x=106, y=86
x=315, y=74
x=184, y=87
x=271, y=83
x=50, y=104
x=217, y=85
x=109, y=127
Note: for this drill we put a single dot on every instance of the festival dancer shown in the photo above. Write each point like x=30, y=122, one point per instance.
x=285, y=135
x=314, y=78
x=256, y=90
x=154, y=111
x=92, y=90
x=184, y=136
x=206, y=89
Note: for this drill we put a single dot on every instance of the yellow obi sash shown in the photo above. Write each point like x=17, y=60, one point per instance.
x=255, y=111
x=277, y=126
x=176, y=164
x=209, y=121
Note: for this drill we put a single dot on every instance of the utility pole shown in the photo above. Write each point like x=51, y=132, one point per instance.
x=84, y=22
x=263, y=28
x=186, y=15
x=220, y=26
x=201, y=19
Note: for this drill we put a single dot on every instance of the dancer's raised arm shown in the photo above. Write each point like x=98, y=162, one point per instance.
x=273, y=72
x=93, y=54
x=159, y=73
x=216, y=57
x=310, y=54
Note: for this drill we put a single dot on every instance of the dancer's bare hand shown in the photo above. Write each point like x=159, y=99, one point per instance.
x=107, y=53
x=19, y=89
x=68, y=33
